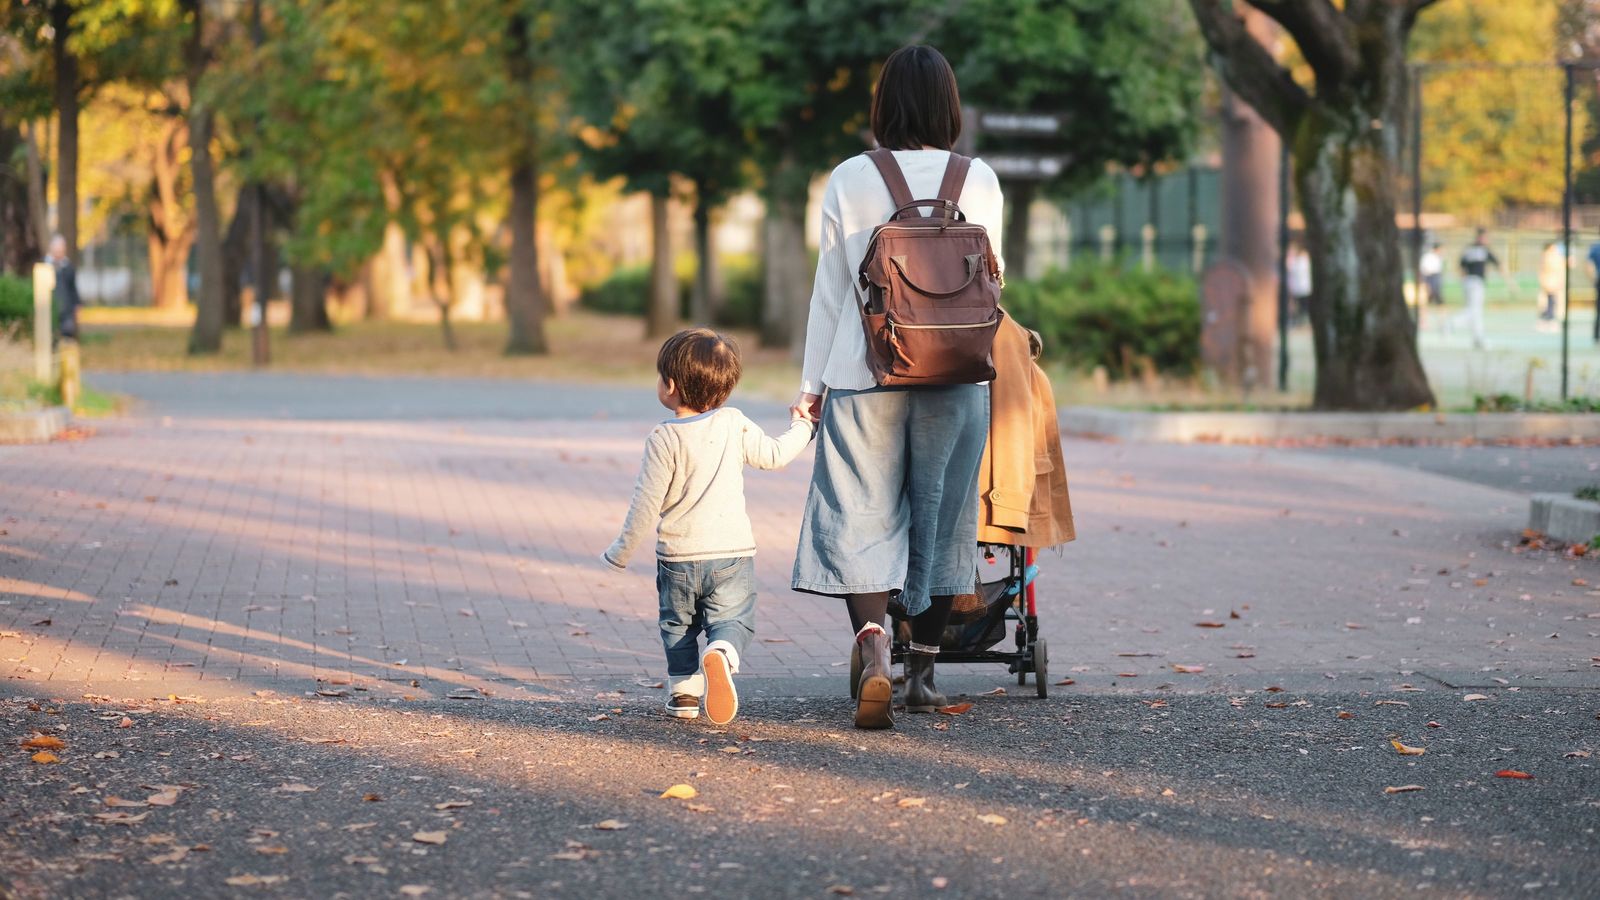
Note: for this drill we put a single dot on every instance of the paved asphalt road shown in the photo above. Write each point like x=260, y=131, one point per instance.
x=1262, y=794
x=1524, y=470
x=1225, y=786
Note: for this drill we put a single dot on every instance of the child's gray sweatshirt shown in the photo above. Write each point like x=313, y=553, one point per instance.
x=692, y=480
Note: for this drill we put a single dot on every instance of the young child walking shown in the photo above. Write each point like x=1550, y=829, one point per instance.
x=691, y=487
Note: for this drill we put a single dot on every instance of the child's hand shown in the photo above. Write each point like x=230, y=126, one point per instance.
x=611, y=565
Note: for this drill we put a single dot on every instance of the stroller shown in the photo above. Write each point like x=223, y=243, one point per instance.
x=977, y=631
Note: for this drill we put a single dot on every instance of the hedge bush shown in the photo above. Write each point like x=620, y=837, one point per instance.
x=1100, y=315
x=627, y=290
x=16, y=305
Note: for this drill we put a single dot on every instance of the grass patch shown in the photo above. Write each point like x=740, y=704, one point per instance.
x=21, y=393
x=585, y=347
x=1590, y=492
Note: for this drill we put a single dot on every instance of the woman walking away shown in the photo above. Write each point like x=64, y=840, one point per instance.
x=892, y=508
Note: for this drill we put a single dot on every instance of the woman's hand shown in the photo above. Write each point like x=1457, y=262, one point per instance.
x=806, y=406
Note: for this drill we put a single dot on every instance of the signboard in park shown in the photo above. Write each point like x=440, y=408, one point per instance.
x=1014, y=166
x=1034, y=124
x=1026, y=166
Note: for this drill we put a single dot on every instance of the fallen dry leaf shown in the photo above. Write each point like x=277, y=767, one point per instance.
x=119, y=803
x=1403, y=750
x=680, y=792
x=429, y=837
x=1403, y=789
x=955, y=709
x=1208, y=624
x=254, y=880
x=909, y=802
x=997, y=692
x=45, y=757
x=413, y=890
x=121, y=818
x=1472, y=697
x=373, y=798
x=176, y=855
x=992, y=819
x=163, y=798
x=1576, y=754
x=44, y=742
x=610, y=825
x=1065, y=681
x=125, y=723
x=1188, y=670
x=273, y=850
x=453, y=804
x=294, y=788
x=1512, y=773
x=843, y=890
x=1347, y=715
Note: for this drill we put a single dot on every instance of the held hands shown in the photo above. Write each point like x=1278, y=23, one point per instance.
x=807, y=407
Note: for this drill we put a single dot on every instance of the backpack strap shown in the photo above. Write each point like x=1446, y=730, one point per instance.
x=955, y=177
x=899, y=191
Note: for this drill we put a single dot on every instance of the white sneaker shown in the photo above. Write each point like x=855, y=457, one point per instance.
x=683, y=706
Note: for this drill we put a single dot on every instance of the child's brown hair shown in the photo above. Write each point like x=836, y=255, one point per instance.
x=702, y=364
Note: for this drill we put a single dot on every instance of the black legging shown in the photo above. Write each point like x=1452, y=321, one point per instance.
x=926, y=628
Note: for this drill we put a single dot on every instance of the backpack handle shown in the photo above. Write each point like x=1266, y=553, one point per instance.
x=974, y=266
x=947, y=209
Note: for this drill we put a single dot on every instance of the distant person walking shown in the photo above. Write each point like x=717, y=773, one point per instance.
x=65, y=299
x=1299, y=273
x=1475, y=263
x=1552, y=281
x=1593, y=263
x=1432, y=268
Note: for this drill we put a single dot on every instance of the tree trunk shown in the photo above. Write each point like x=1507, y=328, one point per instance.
x=441, y=284
x=786, y=270
x=235, y=258
x=705, y=300
x=207, y=334
x=18, y=236
x=38, y=211
x=1239, y=341
x=661, y=310
x=525, y=301
x=1364, y=337
x=308, y=300
x=170, y=228
x=1019, y=205
x=66, y=99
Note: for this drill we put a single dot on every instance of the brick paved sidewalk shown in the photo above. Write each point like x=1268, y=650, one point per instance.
x=224, y=556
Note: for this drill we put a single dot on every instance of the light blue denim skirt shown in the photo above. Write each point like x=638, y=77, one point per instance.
x=893, y=504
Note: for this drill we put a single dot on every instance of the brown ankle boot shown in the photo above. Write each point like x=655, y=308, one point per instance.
x=921, y=695
x=874, y=700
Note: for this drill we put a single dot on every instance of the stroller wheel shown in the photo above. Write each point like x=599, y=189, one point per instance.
x=855, y=669
x=1041, y=670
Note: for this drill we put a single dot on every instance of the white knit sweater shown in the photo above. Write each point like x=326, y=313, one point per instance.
x=857, y=201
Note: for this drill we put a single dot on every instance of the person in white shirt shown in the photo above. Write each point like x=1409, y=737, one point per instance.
x=691, y=491
x=892, y=508
x=1432, y=268
x=1475, y=263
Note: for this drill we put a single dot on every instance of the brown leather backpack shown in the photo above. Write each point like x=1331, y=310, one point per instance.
x=932, y=286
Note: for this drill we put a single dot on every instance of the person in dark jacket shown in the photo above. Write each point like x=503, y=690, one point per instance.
x=65, y=299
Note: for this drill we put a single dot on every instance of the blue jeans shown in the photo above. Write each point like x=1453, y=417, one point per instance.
x=714, y=597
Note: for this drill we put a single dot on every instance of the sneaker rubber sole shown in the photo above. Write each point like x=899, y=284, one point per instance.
x=722, y=701
x=874, y=703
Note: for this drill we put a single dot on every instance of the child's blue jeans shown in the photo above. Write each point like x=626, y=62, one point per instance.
x=714, y=597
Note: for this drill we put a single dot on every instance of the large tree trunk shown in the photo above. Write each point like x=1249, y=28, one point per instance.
x=785, y=266
x=171, y=230
x=207, y=334
x=236, y=258
x=661, y=309
x=18, y=236
x=308, y=300
x=66, y=98
x=38, y=210
x=1239, y=339
x=705, y=299
x=441, y=283
x=1019, y=220
x=1364, y=337
x=1346, y=138
x=525, y=301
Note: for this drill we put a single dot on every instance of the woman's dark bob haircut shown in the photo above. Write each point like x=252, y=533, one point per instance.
x=916, y=104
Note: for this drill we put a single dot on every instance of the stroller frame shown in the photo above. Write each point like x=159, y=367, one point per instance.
x=1031, y=654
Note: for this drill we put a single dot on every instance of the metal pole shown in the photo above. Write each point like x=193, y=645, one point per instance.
x=260, y=354
x=1566, y=237
x=1418, y=295
x=1283, y=266
x=1194, y=212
